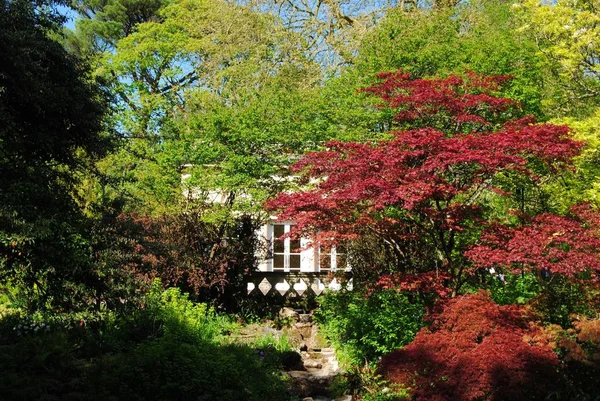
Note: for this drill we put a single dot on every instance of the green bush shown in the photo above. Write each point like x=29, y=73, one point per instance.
x=556, y=298
x=171, y=349
x=185, y=320
x=365, y=327
x=562, y=298
x=166, y=369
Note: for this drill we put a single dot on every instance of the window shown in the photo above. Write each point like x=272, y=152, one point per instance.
x=286, y=252
x=332, y=259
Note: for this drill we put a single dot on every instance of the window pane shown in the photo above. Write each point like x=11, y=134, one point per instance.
x=325, y=259
x=295, y=262
x=340, y=261
x=278, y=246
x=278, y=262
x=278, y=230
x=295, y=246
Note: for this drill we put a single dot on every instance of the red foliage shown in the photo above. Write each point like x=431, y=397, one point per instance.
x=453, y=101
x=424, y=283
x=424, y=183
x=185, y=251
x=567, y=245
x=476, y=350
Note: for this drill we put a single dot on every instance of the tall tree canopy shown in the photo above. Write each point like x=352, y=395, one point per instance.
x=194, y=83
x=51, y=126
x=424, y=191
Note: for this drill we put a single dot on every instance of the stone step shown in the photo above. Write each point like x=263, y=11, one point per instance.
x=321, y=398
x=312, y=363
x=318, y=373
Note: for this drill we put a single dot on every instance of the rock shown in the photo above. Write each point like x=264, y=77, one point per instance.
x=308, y=399
x=344, y=398
x=286, y=313
x=305, y=318
x=313, y=379
x=304, y=331
x=308, y=384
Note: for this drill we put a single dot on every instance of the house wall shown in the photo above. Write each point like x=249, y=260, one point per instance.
x=311, y=255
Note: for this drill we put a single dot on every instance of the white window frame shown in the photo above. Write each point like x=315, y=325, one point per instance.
x=287, y=251
x=332, y=261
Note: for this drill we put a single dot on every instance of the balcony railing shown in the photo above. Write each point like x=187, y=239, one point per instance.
x=294, y=284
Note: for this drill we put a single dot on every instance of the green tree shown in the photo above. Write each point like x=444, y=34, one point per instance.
x=567, y=34
x=481, y=36
x=50, y=129
x=192, y=56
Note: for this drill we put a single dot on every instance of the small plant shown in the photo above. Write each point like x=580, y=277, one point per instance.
x=367, y=384
x=273, y=339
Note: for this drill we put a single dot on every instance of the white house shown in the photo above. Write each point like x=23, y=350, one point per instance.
x=293, y=267
x=290, y=267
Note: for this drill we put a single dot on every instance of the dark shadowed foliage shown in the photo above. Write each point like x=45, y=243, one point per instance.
x=50, y=131
x=171, y=349
x=207, y=259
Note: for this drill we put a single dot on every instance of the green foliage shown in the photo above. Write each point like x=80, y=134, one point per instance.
x=516, y=289
x=184, y=320
x=166, y=369
x=581, y=184
x=481, y=36
x=566, y=33
x=561, y=298
x=51, y=130
x=170, y=349
x=191, y=91
x=279, y=342
x=365, y=327
x=368, y=385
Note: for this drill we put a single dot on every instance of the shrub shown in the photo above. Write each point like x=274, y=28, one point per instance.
x=476, y=350
x=516, y=289
x=579, y=350
x=166, y=369
x=561, y=298
x=184, y=319
x=172, y=349
x=365, y=327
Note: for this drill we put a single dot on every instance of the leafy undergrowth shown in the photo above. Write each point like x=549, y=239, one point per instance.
x=363, y=327
x=172, y=349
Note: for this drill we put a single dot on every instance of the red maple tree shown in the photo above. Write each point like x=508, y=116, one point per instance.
x=475, y=349
x=419, y=193
x=567, y=245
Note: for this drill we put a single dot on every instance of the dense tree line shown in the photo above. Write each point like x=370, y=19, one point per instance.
x=451, y=146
